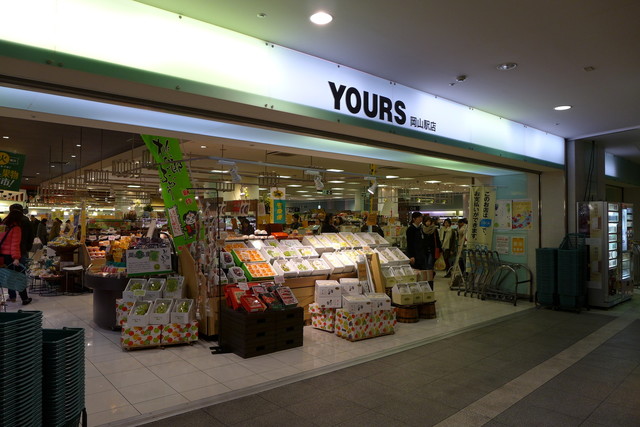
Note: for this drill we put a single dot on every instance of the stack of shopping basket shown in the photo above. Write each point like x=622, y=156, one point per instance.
x=21, y=368
x=63, y=381
x=547, y=277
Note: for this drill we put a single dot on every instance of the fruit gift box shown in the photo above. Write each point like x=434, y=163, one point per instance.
x=141, y=336
x=173, y=287
x=352, y=327
x=139, y=314
x=322, y=318
x=258, y=271
x=176, y=333
x=122, y=311
x=247, y=256
x=161, y=312
x=183, y=311
x=135, y=290
x=155, y=288
x=382, y=322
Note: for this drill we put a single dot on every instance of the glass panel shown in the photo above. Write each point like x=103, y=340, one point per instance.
x=613, y=246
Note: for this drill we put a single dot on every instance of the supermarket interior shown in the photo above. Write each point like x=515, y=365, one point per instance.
x=179, y=235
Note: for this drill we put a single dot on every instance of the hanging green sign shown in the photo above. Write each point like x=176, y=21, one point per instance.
x=11, y=165
x=180, y=204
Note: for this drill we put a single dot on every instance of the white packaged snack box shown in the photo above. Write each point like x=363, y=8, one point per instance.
x=285, y=267
x=356, y=304
x=326, y=288
x=351, y=286
x=333, y=261
x=379, y=301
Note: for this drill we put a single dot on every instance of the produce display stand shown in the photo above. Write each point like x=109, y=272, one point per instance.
x=105, y=292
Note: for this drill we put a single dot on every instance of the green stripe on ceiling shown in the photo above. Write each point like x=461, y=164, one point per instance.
x=73, y=62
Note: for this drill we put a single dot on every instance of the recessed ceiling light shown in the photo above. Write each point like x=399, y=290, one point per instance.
x=302, y=191
x=433, y=181
x=392, y=176
x=321, y=18
x=562, y=107
x=133, y=186
x=5, y=137
x=203, y=146
x=335, y=170
x=284, y=176
x=73, y=155
x=78, y=145
x=336, y=182
x=294, y=185
x=37, y=173
x=507, y=66
x=262, y=15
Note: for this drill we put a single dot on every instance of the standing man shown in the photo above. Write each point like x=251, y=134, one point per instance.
x=416, y=247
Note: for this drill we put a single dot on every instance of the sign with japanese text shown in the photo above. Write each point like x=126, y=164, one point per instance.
x=148, y=261
x=482, y=205
x=180, y=204
x=11, y=165
x=522, y=215
x=518, y=245
x=278, y=205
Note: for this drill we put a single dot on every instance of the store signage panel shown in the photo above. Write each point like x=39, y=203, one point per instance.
x=148, y=261
x=260, y=73
x=11, y=165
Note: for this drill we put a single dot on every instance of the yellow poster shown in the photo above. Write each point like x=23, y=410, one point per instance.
x=522, y=216
x=517, y=245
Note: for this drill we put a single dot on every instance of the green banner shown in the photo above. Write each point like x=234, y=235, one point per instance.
x=11, y=165
x=180, y=204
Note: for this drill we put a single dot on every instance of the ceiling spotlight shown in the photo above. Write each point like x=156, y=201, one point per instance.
x=235, y=176
x=461, y=78
x=317, y=180
x=507, y=66
x=562, y=107
x=321, y=18
x=373, y=188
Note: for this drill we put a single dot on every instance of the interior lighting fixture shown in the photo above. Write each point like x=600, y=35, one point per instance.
x=73, y=156
x=317, y=180
x=217, y=171
x=336, y=181
x=433, y=181
x=284, y=176
x=392, y=176
x=294, y=185
x=335, y=170
x=133, y=186
x=203, y=146
x=507, y=66
x=78, y=145
x=5, y=137
x=562, y=107
x=374, y=185
x=321, y=18
x=235, y=176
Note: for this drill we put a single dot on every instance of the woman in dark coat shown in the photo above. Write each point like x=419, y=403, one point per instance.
x=416, y=247
x=432, y=242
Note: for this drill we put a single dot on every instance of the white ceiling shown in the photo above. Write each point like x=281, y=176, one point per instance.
x=426, y=44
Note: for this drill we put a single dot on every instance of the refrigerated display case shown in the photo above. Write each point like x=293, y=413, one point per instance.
x=607, y=227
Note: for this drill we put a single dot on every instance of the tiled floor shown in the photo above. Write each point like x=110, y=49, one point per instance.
x=135, y=386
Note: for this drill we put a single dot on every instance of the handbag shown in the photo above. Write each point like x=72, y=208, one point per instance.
x=440, y=264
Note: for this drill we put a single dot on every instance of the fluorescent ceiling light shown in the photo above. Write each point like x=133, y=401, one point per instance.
x=407, y=178
x=392, y=176
x=78, y=145
x=562, y=107
x=203, y=146
x=217, y=171
x=336, y=182
x=284, y=176
x=321, y=18
x=382, y=185
x=414, y=188
x=433, y=181
x=133, y=186
x=262, y=189
x=294, y=185
x=337, y=188
x=307, y=195
x=335, y=170
x=5, y=137
x=302, y=191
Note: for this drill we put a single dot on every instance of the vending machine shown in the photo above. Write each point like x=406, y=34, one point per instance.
x=608, y=228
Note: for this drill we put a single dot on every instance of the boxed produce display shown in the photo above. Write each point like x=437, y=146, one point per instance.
x=389, y=277
x=122, y=311
x=257, y=244
x=141, y=336
x=380, y=241
x=252, y=303
x=383, y=322
x=367, y=238
x=226, y=260
x=401, y=294
x=135, y=290
x=379, y=301
x=139, y=314
x=290, y=252
x=286, y=296
x=399, y=255
x=417, y=292
x=348, y=264
x=322, y=318
x=272, y=242
x=351, y=286
x=335, y=240
x=271, y=254
x=258, y=271
x=303, y=266
x=247, y=256
x=427, y=293
x=173, y=288
x=161, y=311
x=177, y=333
x=384, y=262
x=352, y=326
x=356, y=304
x=353, y=240
x=285, y=268
x=354, y=255
x=236, y=275
x=333, y=301
x=319, y=245
x=183, y=311
x=95, y=252
x=230, y=246
x=271, y=301
x=307, y=252
x=155, y=288
x=327, y=288
x=293, y=243
x=332, y=260
x=319, y=266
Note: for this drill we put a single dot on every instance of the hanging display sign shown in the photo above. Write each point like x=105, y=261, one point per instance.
x=148, y=261
x=522, y=216
x=180, y=204
x=502, y=245
x=482, y=210
x=518, y=245
x=11, y=165
x=278, y=205
x=503, y=215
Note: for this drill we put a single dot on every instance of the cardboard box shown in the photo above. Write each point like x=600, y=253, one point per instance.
x=417, y=292
x=177, y=333
x=141, y=336
x=319, y=266
x=328, y=288
x=351, y=286
x=350, y=326
x=356, y=304
x=401, y=294
x=383, y=322
x=135, y=290
x=155, y=288
x=329, y=301
x=174, y=287
x=156, y=318
x=332, y=260
x=428, y=295
x=183, y=317
x=322, y=318
x=122, y=311
x=379, y=301
x=136, y=319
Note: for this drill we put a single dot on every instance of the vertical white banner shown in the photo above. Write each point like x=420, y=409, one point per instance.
x=482, y=207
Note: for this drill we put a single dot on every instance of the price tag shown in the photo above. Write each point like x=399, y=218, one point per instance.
x=139, y=292
x=278, y=279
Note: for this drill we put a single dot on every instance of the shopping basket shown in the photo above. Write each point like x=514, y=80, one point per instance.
x=13, y=277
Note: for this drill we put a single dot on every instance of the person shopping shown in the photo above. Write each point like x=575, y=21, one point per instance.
x=432, y=247
x=10, y=240
x=448, y=242
x=416, y=247
x=327, y=224
x=42, y=233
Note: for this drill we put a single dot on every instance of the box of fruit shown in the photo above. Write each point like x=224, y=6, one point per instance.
x=141, y=336
x=183, y=311
x=161, y=312
x=122, y=311
x=155, y=288
x=322, y=318
x=177, y=333
x=285, y=268
x=135, y=290
x=173, y=287
x=247, y=255
x=139, y=314
x=258, y=271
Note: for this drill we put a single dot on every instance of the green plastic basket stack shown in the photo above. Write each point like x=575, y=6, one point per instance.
x=547, y=276
x=63, y=376
x=572, y=289
x=21, y=368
